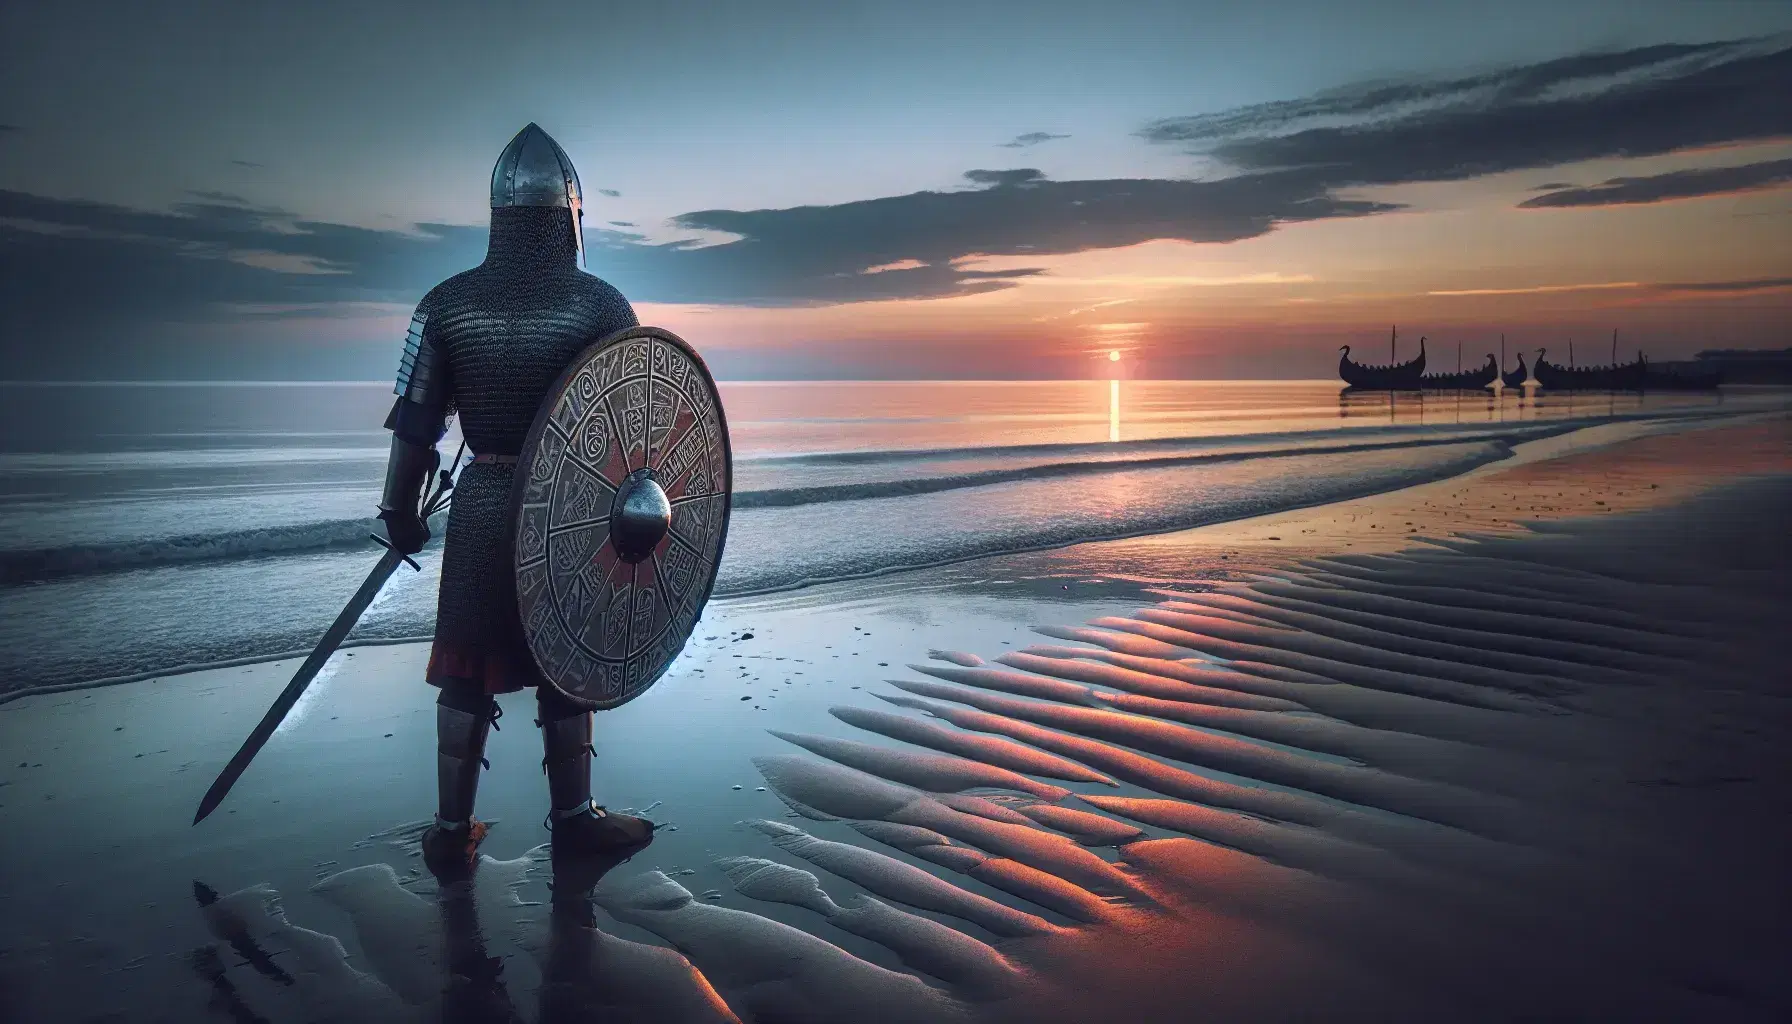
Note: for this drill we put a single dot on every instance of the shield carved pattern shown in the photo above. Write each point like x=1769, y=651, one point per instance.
x=601, y=629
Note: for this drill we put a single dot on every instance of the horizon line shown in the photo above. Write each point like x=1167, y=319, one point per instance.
x=347, y=382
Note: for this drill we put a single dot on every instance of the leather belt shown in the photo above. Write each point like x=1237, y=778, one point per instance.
x=500, y=460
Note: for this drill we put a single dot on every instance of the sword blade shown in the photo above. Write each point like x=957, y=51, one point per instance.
x=301, y=679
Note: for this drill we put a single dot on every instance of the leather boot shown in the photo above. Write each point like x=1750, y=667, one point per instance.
x=581, y=827
x=464, y=717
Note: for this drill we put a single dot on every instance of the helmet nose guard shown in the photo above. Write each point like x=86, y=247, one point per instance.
x=534, y=171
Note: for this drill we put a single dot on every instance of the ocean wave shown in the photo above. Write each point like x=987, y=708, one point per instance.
x=784, y=497
x=1265, y=442
x=227, y=608
x=895, y=475
x=785, y=548
x=30, y=566
x=37, y=564
x=1107, y=450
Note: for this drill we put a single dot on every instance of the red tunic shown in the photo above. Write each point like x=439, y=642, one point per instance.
x=503, y=668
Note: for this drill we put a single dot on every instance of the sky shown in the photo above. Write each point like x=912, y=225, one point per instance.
x=905, y=191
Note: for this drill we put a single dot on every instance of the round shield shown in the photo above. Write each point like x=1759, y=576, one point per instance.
x=620, y=508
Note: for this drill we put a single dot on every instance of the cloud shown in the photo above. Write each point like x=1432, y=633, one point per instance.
x=1385, y=99
x=1020, y=177
x=1186, y=280
x=1542, y=289
x=252, y=165
x=623, y=223
x=1078, y=311
x=612, y=193
x=1729, y=287
x=218, y=197
x=1706, y=287
x=813, y=254
x=1689, y=184
x=898, y=265
x=1639, y=102
x=1031, y=139
x=85, y=282
x=77, y=273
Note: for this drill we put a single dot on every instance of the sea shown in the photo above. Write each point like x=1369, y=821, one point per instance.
x=150, y=527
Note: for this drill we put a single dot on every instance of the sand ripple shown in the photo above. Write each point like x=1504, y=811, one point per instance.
x=1272, y=798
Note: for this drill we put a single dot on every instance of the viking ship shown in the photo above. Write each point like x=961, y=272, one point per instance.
x=1405, y=376
x=1464, y=380
x=1553, y=376
x=1516, y=378
x=1632, y=376
x=1628, y=377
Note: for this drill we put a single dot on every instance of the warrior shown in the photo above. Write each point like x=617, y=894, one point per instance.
x=487, y=345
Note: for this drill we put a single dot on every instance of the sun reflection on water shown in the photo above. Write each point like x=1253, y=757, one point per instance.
x=1113, y=410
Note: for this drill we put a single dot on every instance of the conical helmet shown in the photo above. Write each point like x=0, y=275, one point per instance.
x=534, y=171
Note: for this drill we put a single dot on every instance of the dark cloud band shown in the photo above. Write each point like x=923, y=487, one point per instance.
x=1370, y=102
x=1031, y=139
x=1764, y=284
x=1690, y=184
x=1640, y=102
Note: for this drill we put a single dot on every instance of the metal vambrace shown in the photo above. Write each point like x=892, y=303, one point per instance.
x=407, y=470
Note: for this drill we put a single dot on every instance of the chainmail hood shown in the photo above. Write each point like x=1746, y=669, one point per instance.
x=531, y=238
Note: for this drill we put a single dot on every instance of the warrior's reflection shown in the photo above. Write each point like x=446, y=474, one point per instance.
x=587, y=973
x=570, y=989
x=474, y=991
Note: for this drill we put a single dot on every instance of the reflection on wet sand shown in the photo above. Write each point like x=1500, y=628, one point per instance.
x=434, y=963
x=1443, y=781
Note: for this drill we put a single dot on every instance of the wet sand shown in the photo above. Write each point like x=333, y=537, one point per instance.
x=1506, y=746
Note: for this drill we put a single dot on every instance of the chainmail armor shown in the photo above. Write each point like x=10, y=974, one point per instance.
x=505, y=330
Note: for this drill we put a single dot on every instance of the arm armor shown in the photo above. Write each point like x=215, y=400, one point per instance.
x=418, y=420
x=424, y=390
x=419, y=368
x=407, y=469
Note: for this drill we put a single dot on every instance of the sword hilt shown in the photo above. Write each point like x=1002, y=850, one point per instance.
x=384, y=543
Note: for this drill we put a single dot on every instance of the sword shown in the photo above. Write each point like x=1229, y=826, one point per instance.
x=433, y=502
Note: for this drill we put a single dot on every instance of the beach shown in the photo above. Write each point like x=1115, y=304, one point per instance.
x=1501, y=739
